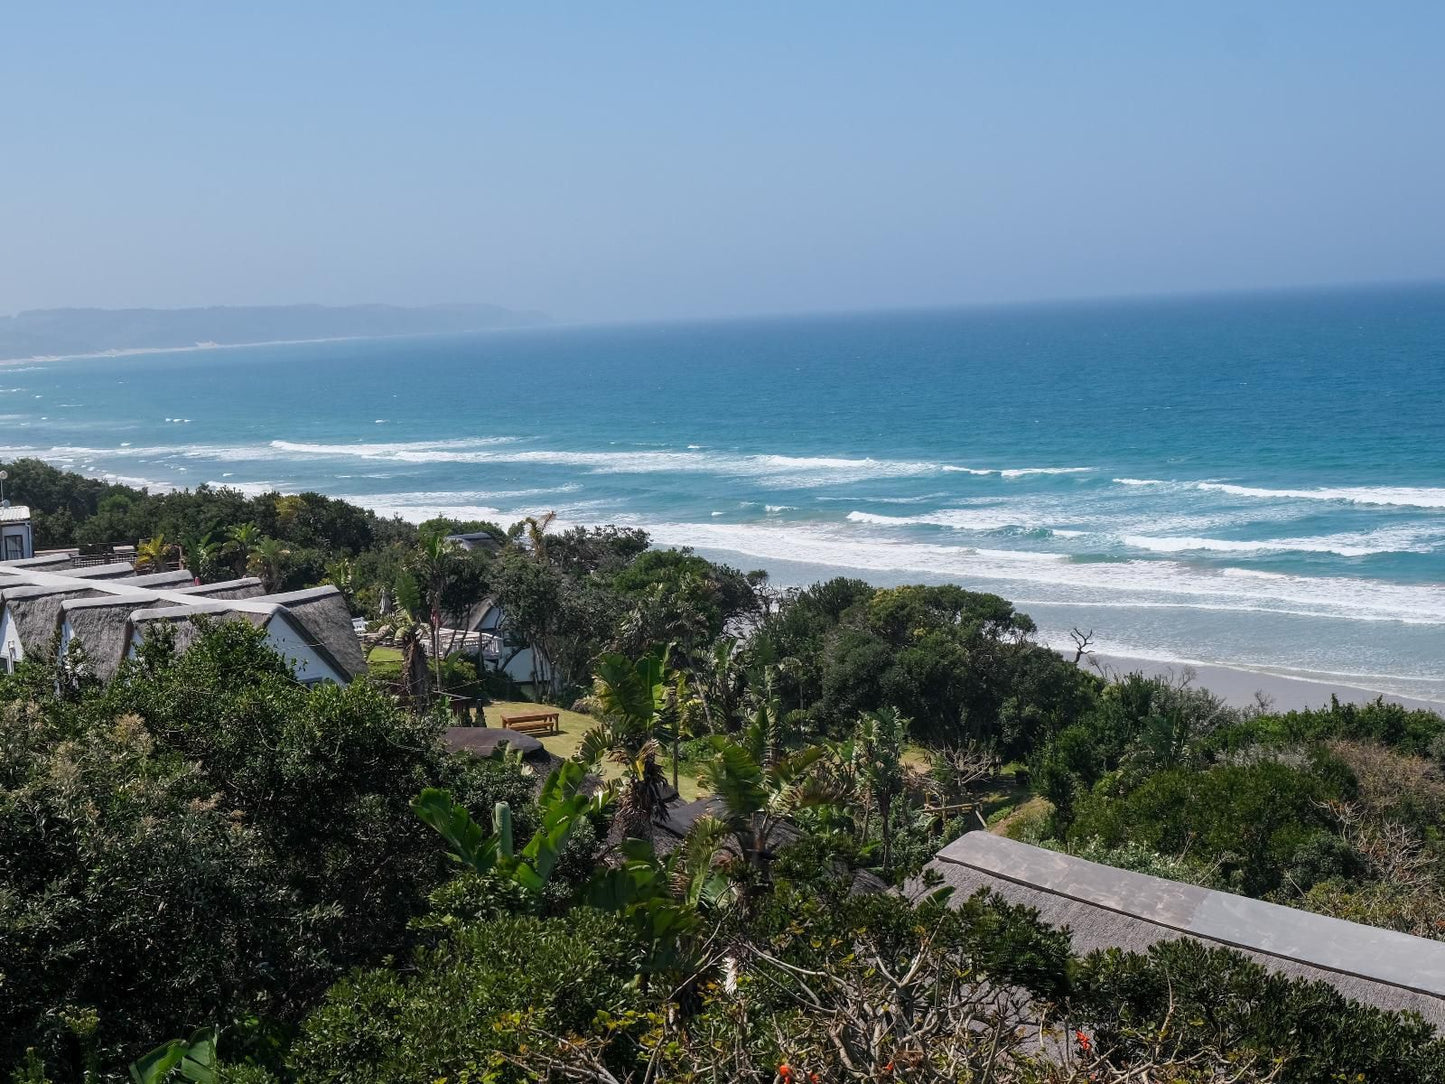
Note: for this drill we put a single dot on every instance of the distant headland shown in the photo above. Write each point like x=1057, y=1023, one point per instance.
x=65, y=332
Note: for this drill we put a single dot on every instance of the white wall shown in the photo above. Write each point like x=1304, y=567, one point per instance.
x=307, y=665
x=11, y=650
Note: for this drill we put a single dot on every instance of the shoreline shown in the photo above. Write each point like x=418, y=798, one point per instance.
x=1237, y=686
x=1236, y=683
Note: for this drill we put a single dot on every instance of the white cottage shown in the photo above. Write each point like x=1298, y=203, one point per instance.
x=17, y=535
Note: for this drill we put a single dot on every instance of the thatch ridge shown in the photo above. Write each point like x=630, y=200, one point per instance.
x=243, y=588
x=187, y=630
x=102, y=625
x=120, y=570
x=323, y=616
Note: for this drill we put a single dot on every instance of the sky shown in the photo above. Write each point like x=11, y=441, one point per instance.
x=658, y=160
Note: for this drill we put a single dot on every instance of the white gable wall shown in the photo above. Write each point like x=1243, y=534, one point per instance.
x=11, y=650
x=306, y=663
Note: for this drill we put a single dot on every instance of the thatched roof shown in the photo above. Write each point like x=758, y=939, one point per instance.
x=35, y=610
x=318, y=618
x=1105, y=907
x=119, y=570
x=102, y=625
x=246, y=587
x=45, y=560
x=326, y=619
x=182, y=618
x=178, y=579
x=483, y=741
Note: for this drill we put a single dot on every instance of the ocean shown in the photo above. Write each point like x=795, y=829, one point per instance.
x=1253, y=481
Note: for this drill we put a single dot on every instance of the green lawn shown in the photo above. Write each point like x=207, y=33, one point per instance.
x=573, y=725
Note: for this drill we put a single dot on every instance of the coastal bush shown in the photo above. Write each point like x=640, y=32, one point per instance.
x=1251, y=821
x=205, y=840
x=1410, y=731
x=464, y=1004
x=1222, y=1000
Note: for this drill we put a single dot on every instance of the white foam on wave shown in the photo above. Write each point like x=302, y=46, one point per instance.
x=781, y=471
x=1350, y=544
x=960, y=519
x=1403, y=496
x=1137, y=583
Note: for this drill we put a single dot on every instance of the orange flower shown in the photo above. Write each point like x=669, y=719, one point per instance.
x=1082, y=1040
x=785, y=1071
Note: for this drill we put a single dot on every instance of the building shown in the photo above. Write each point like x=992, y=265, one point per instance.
x=17, y=535
x=476, y=540
x=1104, y=908
x=503, y=651
x=107, y=610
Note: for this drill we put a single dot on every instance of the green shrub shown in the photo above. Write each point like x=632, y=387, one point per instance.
x=1219, y=999
x=1252, y=820
x=468, y=999
x=205, y=840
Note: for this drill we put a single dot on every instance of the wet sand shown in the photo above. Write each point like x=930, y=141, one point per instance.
x=1238, y=687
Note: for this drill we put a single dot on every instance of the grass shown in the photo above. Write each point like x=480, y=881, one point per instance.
x=573, y=726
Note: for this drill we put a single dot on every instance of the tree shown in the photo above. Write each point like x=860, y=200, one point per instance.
x=241, y=539
x=759, y=786
x=154, y=554
x=433, y=566
x=204, y=811
x=631, y=697
x=201, y=554
x=267, y=560
x=878, y=754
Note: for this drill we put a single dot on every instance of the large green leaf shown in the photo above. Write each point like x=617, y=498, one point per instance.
x=194, y=1059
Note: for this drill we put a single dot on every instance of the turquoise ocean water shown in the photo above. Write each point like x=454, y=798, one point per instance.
x=1255, y=481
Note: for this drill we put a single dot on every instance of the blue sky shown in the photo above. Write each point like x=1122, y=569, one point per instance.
x=619, y=161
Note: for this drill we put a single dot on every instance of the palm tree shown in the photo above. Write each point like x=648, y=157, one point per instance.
x=267, y=560
x=759, y=786
x=878, y=761
x=537, y=535
x=719, y=680
x=632, y=699
x=198, y=552
x=241, y=540
x=433, y=566
x=341, y=574
x=154, y=554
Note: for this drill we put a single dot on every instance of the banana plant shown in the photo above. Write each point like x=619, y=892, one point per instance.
x=661, y=899
x=563, y=803
x=193, y=1058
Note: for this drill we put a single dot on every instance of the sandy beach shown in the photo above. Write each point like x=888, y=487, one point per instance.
x=1238, y=687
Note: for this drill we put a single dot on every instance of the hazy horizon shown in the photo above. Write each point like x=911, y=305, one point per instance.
x=650, y=163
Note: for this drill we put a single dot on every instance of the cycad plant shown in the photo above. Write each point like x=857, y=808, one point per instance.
x=758, y=785
x=632, y=698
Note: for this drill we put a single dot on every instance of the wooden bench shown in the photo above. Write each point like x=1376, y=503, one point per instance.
x=542, y=722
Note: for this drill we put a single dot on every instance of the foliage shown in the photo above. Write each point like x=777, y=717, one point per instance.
x=208, y=812
x=562, y=804
x=1221, y=999
x=469, y=1000
x=1252, y=822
